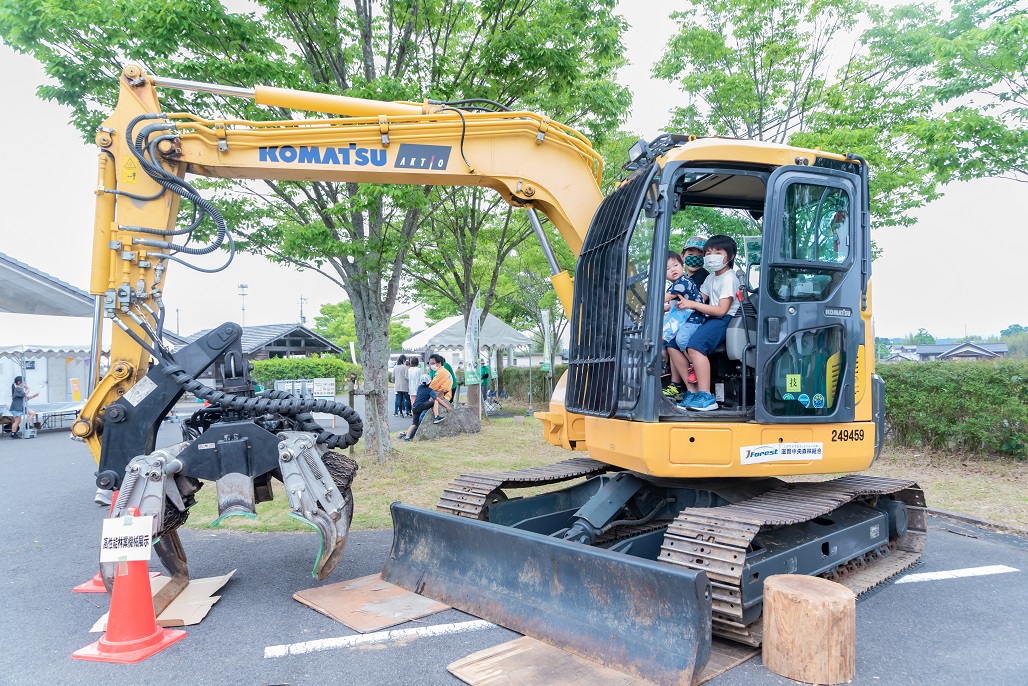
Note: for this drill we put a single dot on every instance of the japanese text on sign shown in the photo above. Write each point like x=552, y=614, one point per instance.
x=126, y=539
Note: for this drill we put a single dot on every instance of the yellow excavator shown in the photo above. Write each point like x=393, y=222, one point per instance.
x=663, y=535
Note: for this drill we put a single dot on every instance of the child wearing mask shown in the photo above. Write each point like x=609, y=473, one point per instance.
x=692, y=258
x=679, y=324
x=719, y=291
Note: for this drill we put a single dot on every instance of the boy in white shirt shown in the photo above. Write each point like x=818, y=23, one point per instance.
x=719, y=290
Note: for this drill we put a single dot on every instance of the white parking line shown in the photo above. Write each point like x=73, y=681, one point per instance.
x=377, y=637
x=956, y=574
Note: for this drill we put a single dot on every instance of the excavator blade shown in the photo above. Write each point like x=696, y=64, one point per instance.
x=638, y=616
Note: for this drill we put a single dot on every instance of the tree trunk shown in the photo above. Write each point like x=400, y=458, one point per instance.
x=373, y=339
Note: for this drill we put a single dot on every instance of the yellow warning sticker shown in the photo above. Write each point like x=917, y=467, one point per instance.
x=793, y=383
x=129, y=172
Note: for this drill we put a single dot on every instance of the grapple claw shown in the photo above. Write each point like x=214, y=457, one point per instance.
x=318, y=487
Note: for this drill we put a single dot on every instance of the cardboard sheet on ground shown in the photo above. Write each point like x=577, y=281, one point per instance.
x=528, y=661
x=368, y=603
x=189, y=607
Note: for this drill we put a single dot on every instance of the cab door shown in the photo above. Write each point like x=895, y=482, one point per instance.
x=813, y=272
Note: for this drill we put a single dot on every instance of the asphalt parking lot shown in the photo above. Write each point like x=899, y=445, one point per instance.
x=955, y=630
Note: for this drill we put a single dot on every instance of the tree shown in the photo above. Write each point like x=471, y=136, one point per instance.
x=922, y=337
x=756, y=69
x=1017, y=345
x=337, y=324
x=524, y=290
x=882, y=347
x=464, y=246
x=466, y=240
x=553, y=55
x=1012, y=330
x=981, y=59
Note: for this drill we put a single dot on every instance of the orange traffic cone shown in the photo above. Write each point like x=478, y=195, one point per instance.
x=132, y=632
x=96, y=584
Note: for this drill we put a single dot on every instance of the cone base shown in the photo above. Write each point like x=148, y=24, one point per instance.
x=104, y=651
x=96, y=584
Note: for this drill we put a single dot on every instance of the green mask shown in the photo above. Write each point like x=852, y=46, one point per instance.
x=694, y=261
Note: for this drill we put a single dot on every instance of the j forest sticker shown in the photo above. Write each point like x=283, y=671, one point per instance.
x=780, y=452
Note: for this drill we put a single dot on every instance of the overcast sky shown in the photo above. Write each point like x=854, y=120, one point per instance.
x=933, y=275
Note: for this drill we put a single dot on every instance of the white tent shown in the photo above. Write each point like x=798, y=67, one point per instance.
x=449, y=335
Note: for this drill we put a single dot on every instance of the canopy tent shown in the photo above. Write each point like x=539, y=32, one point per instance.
x=26, y=290
x=449, y=335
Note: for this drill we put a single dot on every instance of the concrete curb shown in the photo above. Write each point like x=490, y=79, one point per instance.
x=974, y=521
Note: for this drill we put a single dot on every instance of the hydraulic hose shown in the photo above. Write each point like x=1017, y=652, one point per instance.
x=277, y=402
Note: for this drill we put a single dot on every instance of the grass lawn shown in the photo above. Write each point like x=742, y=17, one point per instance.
x=994, y=489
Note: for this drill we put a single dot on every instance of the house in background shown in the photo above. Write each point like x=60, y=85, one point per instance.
x=946, y=352
x=962, y=351
x=280, y=340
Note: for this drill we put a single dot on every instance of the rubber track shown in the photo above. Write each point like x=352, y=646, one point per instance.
x=715, y=540
x=469, y=494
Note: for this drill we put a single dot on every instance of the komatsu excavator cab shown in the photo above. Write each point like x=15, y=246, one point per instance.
x=792, y=350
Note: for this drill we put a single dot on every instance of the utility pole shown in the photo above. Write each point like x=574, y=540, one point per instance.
x=303, y=320
x=242, y=297
x=178, y=328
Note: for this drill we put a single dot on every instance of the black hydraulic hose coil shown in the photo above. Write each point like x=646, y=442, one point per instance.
x=278, y=402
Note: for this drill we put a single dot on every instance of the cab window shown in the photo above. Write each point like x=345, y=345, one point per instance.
x=815, y=224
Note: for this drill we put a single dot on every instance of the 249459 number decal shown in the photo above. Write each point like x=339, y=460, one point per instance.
x=845, y=435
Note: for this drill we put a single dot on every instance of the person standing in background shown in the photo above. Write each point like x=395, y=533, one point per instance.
x=413, y=377
x=19, y=405
x=401, y=406
x=484, y=372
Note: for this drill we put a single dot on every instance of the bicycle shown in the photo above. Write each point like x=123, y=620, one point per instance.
x=491, y=403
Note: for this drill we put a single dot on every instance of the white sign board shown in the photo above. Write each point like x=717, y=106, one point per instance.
x=324, y=388
x=126, y=539
x=781, y=452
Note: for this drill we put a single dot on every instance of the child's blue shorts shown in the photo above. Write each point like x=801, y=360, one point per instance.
x=710, y=334
x=684, y=333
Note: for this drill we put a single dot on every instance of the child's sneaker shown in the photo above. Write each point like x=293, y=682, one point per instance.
x=439, y=419
x=702, y=402
x=692, y=375
x=672, y=391
x=686, y=397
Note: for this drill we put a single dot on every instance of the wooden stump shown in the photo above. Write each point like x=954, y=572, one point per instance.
x=810, y=629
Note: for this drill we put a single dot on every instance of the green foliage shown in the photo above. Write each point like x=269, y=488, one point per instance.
x=979, y=407
x=337, y=324
x=922, y=337
x=981, y=58
x=515, y=382
x=1017, y=345
x=464, y=244
x=907, y=100
x=1012, y=329
x=711, y=221
x=267, y=372
x=882, y=347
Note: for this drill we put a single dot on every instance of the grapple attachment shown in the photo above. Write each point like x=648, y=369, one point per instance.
x=641, y=617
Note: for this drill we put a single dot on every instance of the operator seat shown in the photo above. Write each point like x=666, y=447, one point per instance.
x=742, y=330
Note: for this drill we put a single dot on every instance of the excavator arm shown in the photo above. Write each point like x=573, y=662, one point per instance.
x=531, y=161
x=245, y=438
